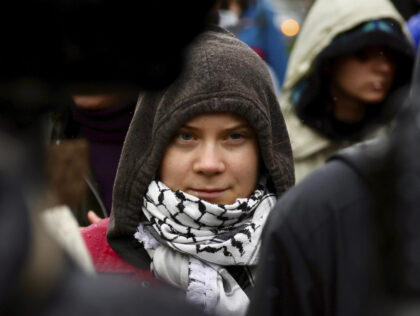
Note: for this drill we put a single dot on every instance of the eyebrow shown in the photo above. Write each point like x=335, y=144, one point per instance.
x=239, y=126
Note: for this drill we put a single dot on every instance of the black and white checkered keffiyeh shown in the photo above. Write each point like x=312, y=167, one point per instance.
x=220, y=234
x=209, y=236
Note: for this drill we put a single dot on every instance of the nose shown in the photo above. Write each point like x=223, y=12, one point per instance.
x=209, y=161
x=383, y=63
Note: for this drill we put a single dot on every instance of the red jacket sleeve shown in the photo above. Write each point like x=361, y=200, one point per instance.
x=106, y=260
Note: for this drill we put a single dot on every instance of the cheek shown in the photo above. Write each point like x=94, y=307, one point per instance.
x=172, y=170
x=348, y=76
x=393, y=71
x=246, y=169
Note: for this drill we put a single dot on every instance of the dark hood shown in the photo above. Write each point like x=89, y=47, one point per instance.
x=310, y=94
x=221, y=74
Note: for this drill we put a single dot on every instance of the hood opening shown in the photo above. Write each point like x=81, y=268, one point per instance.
x=310, y=95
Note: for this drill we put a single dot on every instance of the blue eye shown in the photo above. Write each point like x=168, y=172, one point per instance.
x=185, y=136
x=235, y=136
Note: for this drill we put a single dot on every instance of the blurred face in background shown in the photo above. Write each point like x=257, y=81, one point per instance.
x=214, y=157
x=365, y=77
x=97, y=100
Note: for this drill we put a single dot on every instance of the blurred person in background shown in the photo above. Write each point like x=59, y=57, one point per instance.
x=99, y=121
x=413, y=23
x=347, y=61
x=253, y=22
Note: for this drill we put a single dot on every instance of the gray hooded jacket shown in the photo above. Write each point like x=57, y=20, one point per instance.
x=221, y=74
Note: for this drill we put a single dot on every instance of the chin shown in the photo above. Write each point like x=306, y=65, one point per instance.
x=374, y=98
x=220, y=201
x=223, y=201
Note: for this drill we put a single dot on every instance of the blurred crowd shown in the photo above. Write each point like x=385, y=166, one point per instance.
x=192, y=159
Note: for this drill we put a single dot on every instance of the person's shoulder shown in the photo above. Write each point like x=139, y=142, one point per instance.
x=341, y=187
x=324, y=183
x=306, y=141
x=325, y=195
x=105, y=260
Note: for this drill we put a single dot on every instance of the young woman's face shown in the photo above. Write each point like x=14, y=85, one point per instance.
x=214, y=157
x=366, y=77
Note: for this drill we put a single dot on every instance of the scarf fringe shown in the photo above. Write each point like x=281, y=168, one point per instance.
x=199, y=290
x=187, y=226
x=146, y=238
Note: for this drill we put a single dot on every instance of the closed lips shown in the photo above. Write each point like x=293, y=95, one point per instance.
x=208, y=192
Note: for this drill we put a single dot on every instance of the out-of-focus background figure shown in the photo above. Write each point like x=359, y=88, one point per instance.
x=413, y=23
x=345, y=64
x=253, y=22
x=98, y=121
